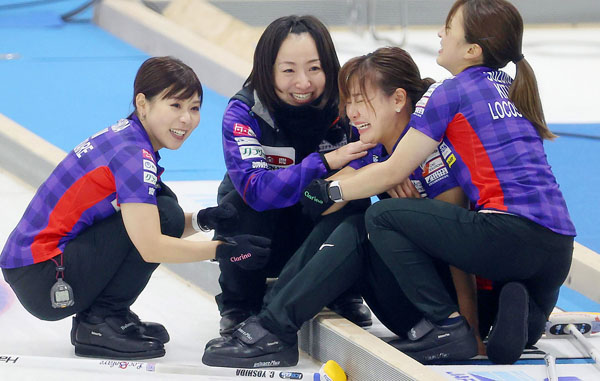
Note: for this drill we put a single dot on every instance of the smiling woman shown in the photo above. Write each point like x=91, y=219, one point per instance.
x=281, y=131
x=103, y=221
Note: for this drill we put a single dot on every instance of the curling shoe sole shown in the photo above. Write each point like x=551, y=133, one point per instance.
x=284, y=358
x=509, y=334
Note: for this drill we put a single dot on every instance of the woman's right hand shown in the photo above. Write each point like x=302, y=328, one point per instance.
x=250, y=252
x=345, y=154
x=406, y=189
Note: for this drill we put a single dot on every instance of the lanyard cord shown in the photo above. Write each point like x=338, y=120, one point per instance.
x=59, y=268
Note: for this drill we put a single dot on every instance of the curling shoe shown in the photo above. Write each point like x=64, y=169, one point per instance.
x=509, y=334
x=430, y=343
x=353, y=309
x=114, y=337
x=230, y=319
x=150, y=329
x=251, y=346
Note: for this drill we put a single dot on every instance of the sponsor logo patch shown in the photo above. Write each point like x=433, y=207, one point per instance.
x=149, y=166
x=422, y=102
x=451, y=160
x=83, y=147
x=279, y=157
x=419, y=186
x=260, y=164
x=252, y=152
x=444, y=149
x=99, y=133
x=437, y=176
x=120, y=125
x=279, y=160
x=150, y=178
x=245, y=140
x=242, y=130
x=147, y=155
x=433, y=165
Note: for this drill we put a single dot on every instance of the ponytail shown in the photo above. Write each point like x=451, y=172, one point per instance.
x=426, y=82
x=497, y=27
x=525, y=95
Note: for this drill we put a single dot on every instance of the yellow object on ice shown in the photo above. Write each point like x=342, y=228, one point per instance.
x=332, y=371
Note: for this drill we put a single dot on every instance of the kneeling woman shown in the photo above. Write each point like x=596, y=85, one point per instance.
x=102, y=222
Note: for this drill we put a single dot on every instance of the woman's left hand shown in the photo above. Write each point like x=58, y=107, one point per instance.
x=405, y=189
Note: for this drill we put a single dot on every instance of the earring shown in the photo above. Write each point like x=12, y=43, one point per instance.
x=398, y=109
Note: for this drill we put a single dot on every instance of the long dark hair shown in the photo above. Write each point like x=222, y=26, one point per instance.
x=158, y=74
x=262, y=77
x=497, y=27
x=387, y=69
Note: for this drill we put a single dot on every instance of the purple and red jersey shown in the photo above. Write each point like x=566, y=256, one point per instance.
x=116, y=165
x=267, y=177
x=495, y=154
x=431, y=178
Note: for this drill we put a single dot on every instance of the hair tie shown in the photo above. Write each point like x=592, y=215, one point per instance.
x=519, y=58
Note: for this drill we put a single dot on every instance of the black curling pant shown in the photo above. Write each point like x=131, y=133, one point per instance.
x=318, y=273
x=102, y=266
x=409, y=234
x=287, y=228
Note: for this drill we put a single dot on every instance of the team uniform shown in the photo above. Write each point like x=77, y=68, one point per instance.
x=519, y=230
x=74, y=220
x=328, y=263
x=266, y=174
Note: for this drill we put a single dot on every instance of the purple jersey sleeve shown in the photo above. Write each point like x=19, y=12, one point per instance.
x=136, y=174
x=266, y=177
x=435, y=109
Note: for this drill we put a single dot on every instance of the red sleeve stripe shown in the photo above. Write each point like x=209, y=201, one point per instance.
x=246, y=187
x=483, y=176
x=86, y=192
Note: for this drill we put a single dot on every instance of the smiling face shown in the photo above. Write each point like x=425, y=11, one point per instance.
x=453, y=55
x=299, y=77
x=168, y=121
x=377, y=116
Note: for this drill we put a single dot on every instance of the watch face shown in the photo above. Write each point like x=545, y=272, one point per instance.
x=335, y=193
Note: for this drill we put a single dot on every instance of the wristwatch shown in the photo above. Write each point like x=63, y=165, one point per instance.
x=335, y=192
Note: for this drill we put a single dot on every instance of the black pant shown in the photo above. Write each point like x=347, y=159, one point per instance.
x=325, y=267
x=287, y=228
x=408, y=234
x=102, y=266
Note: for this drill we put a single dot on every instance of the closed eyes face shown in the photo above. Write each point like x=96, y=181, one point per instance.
x=169, y=121
x=299, y=77
x=372, y=112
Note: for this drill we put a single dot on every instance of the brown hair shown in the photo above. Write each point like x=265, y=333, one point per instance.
x=387, y=69
x=497, y=27
x=161, y=73
x=262, y=77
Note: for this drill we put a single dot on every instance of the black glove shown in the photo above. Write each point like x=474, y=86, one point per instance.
x=223, y=217
x=250, y=252
x=315, y=198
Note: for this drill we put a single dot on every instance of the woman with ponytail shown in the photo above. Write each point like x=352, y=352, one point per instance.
x=378, y=93
x=518, y=235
